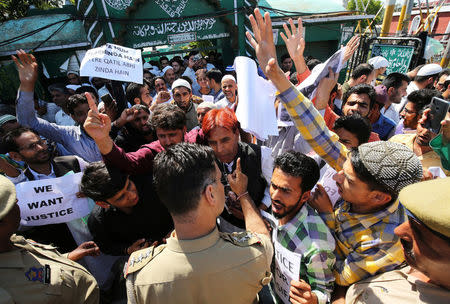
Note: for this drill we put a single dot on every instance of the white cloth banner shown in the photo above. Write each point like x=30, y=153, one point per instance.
x=51, y=201
x=287, y=268
x=114, y=62
x=256, y=96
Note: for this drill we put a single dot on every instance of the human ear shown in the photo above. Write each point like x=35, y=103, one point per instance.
x=103, y=204
x=15, y=155
x=380, y=198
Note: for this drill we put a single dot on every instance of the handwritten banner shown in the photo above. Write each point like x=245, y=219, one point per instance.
x=115, y=62
x=51, y=201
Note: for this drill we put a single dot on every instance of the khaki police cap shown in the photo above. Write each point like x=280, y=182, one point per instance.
x=7, y=196
x=429, y=202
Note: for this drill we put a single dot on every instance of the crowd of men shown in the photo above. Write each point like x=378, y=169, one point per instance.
x=191, y=208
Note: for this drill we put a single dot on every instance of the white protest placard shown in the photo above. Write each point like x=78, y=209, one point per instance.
x=287, y=268
x=51, y=201
x=114, y=62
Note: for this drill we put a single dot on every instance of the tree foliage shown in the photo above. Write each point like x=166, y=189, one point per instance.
x=373, y=6
x=14, y=9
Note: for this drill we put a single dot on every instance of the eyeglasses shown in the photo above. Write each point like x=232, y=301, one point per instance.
x=33, y=146
x=409, y=111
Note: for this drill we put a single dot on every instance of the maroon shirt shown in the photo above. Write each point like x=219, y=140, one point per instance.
x=141, y=161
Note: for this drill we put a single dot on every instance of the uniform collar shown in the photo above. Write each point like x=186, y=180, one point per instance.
x=189, y=246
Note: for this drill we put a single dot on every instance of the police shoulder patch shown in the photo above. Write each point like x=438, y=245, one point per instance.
x=242, y=239
x=140, y=258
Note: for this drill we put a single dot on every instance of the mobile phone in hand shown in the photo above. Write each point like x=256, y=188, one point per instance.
x=107, y=99
x=439, y=108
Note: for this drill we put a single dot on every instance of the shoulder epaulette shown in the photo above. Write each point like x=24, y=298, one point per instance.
x=140, y=258
x=242, y=239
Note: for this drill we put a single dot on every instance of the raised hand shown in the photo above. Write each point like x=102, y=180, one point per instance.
x=293, y=38
x=320, y=200
x=126, y=116
x=350, y=48
x=263, y=41
x=238, y=181
x=97, y=125
x=324, y=88
x=28, y=70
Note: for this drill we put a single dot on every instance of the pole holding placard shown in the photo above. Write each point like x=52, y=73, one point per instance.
x=405, y=16
x=389, y=12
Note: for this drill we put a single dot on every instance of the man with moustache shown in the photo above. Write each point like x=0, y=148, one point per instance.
x=300, y=229
x=25, y=145
x=419, y=143
x=425, y=239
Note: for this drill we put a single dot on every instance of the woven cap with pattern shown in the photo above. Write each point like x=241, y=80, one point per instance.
x=392, y=164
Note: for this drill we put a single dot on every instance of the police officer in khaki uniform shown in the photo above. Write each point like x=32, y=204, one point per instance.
x=198, y=264
x=425, y=238
x=36, y=273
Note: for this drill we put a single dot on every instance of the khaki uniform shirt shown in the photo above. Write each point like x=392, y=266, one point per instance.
x=217, y=268
x=429, y=159
x=36, y=273
x=396, y=286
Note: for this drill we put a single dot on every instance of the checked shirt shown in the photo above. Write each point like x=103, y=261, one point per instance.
x=308, y=235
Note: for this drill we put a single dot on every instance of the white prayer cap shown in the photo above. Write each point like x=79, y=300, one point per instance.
x=229, y=77
x=429, y=69
x=180, y=82
x=207, y=104
x=72, y=86
x=448, y=78
x=379, y=62
x=73, y=72
x=147, y=65
x=166, y=69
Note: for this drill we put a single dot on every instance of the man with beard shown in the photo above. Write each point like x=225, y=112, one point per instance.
x=425, y=239
x=413, y=109
x=424, y=79
x=25, y=145
x=369, y=179
x=74, y=138
x=229, y=89
x=300, y=229
x=137, y=130
x=419, y=143
x=182, y=97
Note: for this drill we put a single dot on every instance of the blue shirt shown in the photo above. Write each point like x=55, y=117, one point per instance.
x=384, y=127
x=74, y=139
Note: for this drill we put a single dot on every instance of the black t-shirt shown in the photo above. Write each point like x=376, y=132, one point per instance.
x=114, y=230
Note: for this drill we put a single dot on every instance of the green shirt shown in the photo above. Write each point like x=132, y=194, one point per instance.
x=442, y=150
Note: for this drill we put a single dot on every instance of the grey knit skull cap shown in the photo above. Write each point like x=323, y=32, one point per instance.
x=392, y=164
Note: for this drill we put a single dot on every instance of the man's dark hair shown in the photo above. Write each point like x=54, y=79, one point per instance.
x=362, y=69
x=425, y=78
x=74, y=101
x=168, y=117
x=187, y=167
x=361, y=89
x=297, y=164
x=100, y=182
x=9, y=140
x=59, y=87
x=163, y=58
x=395, y=80
x=444, y=72
x=140, y=107
x=284, y=57
x=133, y=91
x=84, y=89
x=365, y=176
x=312, y=63
x=355, y=124
x=422, y=98
x=214, y=74
x=156, y=78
